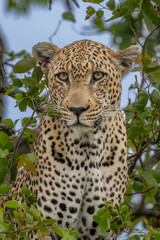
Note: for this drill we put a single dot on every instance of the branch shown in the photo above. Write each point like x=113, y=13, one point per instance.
x=75, y=2
x=130, y=194
x=145, y=42
x=136, y=213
x=145, y=145
x=157, y=197
x=134, y=32
x=50, y=4
x=56, y=30
x=153, y=161
x=138, y=154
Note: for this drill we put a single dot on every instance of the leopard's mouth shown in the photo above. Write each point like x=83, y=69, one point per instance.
x=84, y=122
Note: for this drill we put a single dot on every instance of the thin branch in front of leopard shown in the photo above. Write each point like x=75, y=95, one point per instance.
x=130, y=194
x=20, y=136
x=56, y=30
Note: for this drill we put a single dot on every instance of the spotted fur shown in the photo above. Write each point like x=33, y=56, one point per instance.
x=82, y=157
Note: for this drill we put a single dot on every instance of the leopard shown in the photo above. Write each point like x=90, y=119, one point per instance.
x=82, y=153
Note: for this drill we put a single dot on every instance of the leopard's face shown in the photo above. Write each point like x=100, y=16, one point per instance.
x=84, y=79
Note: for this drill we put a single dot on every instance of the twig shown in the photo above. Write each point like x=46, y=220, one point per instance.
x=19, y=139
x=75, y=2
x=56, y=30
x=9, y=64
x=145, y=42
x=50, y=4
x=34, y=111
x=157, y=197
x=130, y=194
x=145, y=145
x=138, y=154
x=136, y=213
x=153, y=161
x=134, y=32
x=68, y=5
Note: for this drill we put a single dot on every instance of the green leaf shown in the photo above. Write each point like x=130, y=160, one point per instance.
x=155, y=96
x=4, y=189
x=25, y=65
x=1, y=214
x=18, y=216
x=13, y=204
x=133, y=132
x=68, y=16
x=32, y=123
x=149, y=182
x=99, y=23
x=157, y=175
x=90, y=11
x=103, y=227
x=115, y=16
x=29, y=81
x=8, y=122
x=125, y=209
x=151, y=69
x=18, y=96
x=3, y=138
x=111, y=4
x=11, y=89
x=148, y=22
x=17, y=82
x=137, y=186
x=22, y=105
x=31, y=132
x=29, y=218
x=31, y=157
x=4, y=226
x=57, y=230
x=3, y=153
x=37, y=73
x=3, y=168
x=25, y=190
x=142, y=101
x=49, y=221
x=71, y=233
x=99, y=14
x=150, y=11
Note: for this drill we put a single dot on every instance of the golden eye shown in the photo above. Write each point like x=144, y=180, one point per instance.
x=98, y=76
x=63, y=76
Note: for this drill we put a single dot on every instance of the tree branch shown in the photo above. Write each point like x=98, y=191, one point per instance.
x=145, y=42
x=145, y=145
x=157, y=197
x=153, y=161
x=130, y=194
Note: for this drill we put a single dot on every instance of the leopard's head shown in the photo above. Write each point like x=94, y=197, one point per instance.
x=84, y=78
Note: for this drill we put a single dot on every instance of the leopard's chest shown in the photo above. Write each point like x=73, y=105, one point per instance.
x=77, y=170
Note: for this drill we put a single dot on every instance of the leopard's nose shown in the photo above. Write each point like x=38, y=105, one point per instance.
x=78, y=111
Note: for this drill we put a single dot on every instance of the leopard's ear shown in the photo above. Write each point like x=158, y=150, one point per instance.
x=44, y=53
x=123, y=59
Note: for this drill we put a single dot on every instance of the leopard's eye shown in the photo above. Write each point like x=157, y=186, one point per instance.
x=62, y=76
x=97, y=76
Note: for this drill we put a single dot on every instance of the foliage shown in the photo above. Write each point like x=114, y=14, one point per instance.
x=132, y=22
